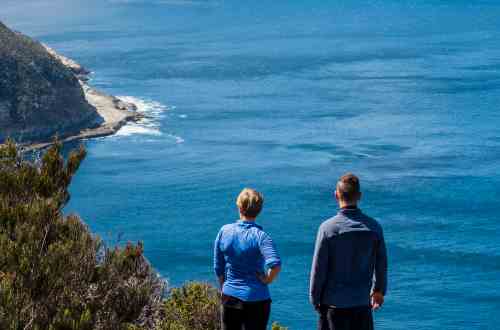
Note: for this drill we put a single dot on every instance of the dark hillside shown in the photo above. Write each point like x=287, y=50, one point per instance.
x=39, y=96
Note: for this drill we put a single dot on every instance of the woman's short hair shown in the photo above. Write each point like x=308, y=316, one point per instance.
x=250, y=202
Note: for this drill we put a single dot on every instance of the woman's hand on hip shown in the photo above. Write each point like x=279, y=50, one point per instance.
x=269, y=276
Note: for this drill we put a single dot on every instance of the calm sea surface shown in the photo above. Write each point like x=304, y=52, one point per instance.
x=285, y=96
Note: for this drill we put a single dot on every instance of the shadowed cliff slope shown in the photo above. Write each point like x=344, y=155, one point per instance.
x=39, y=96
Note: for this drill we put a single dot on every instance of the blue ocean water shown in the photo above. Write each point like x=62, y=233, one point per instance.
x=285, y=96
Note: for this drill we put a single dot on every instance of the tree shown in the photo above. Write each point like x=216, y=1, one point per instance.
x=54, y=274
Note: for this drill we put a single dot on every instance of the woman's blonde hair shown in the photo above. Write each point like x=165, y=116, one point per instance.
x=250, y=202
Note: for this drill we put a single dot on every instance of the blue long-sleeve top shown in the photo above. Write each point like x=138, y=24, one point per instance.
x=241, y=251
x=350, y=260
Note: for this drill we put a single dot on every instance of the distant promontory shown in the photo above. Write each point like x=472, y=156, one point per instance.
x=43, y=94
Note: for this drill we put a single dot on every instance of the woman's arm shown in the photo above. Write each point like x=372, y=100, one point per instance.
x=221, y=281
x=271, y=258
x=219, y=262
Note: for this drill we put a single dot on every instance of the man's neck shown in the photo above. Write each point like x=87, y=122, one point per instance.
x=243, y=218
x=343, y=205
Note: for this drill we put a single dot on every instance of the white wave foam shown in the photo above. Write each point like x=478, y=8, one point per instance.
x=149, y=125
x=177, y=139
x=150, y=108
x=132, y=129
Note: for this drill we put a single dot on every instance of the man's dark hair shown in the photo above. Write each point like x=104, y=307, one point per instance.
x=348, y=187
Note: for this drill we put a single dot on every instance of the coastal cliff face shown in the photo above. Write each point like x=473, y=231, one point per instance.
x=39, y=95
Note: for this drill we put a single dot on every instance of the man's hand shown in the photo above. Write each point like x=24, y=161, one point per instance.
x=377, y=300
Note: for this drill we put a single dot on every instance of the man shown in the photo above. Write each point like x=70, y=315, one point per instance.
x=349, y=268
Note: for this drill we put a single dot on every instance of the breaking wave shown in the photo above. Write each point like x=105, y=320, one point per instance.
x=153, y=113
x=149, y=125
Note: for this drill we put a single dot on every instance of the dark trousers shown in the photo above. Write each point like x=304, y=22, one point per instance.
x=241, y=315
x=355, y=318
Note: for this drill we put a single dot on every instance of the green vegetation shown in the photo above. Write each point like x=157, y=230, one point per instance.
x=277, y=326
x=55, y=275
x=194, y=306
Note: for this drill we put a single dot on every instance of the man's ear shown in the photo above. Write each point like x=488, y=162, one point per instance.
x=336, y=195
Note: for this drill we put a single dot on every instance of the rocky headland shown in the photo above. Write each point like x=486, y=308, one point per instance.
x=44, y=94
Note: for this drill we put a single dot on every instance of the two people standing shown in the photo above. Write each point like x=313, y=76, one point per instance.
x=348, y=273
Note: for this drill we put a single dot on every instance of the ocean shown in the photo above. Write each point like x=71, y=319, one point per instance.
x=284, y=97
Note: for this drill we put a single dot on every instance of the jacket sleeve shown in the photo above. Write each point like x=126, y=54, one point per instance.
x=319, y=268
x=219, y=261
x=269, y=251
x=381, y=266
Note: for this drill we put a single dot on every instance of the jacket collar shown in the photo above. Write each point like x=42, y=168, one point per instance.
x=248, y=224
x=349, y=210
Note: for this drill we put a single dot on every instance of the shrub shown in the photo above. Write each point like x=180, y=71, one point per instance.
x=195, y=306
x=277, y=326
x=53, y=273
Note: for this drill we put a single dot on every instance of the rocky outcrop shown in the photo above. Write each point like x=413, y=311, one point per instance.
x=79, y=71
x=43, y=94
x=39, y=95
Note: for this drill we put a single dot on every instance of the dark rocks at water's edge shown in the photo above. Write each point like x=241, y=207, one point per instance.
x=43, y=94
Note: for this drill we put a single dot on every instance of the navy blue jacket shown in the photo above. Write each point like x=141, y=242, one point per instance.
x=350, y=261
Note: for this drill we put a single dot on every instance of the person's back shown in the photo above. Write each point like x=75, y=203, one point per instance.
x=350, y=250
x=245, y=262
x=352, y=240
x=243, y=246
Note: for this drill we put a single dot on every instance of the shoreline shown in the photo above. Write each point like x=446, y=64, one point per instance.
x=114, y=112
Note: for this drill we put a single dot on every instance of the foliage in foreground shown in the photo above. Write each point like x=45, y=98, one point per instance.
x=55, y=275
x=191, y=307
x=277, y=326
x=195, y=306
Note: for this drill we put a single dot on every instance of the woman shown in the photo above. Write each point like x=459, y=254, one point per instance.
x=245, y=262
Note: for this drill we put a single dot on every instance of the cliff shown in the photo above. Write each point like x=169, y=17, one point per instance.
x=43, y=94
x=39, y=96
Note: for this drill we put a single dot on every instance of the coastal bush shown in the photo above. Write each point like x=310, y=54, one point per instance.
x=277, y=326
x=195, y=306
x=53, y=273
